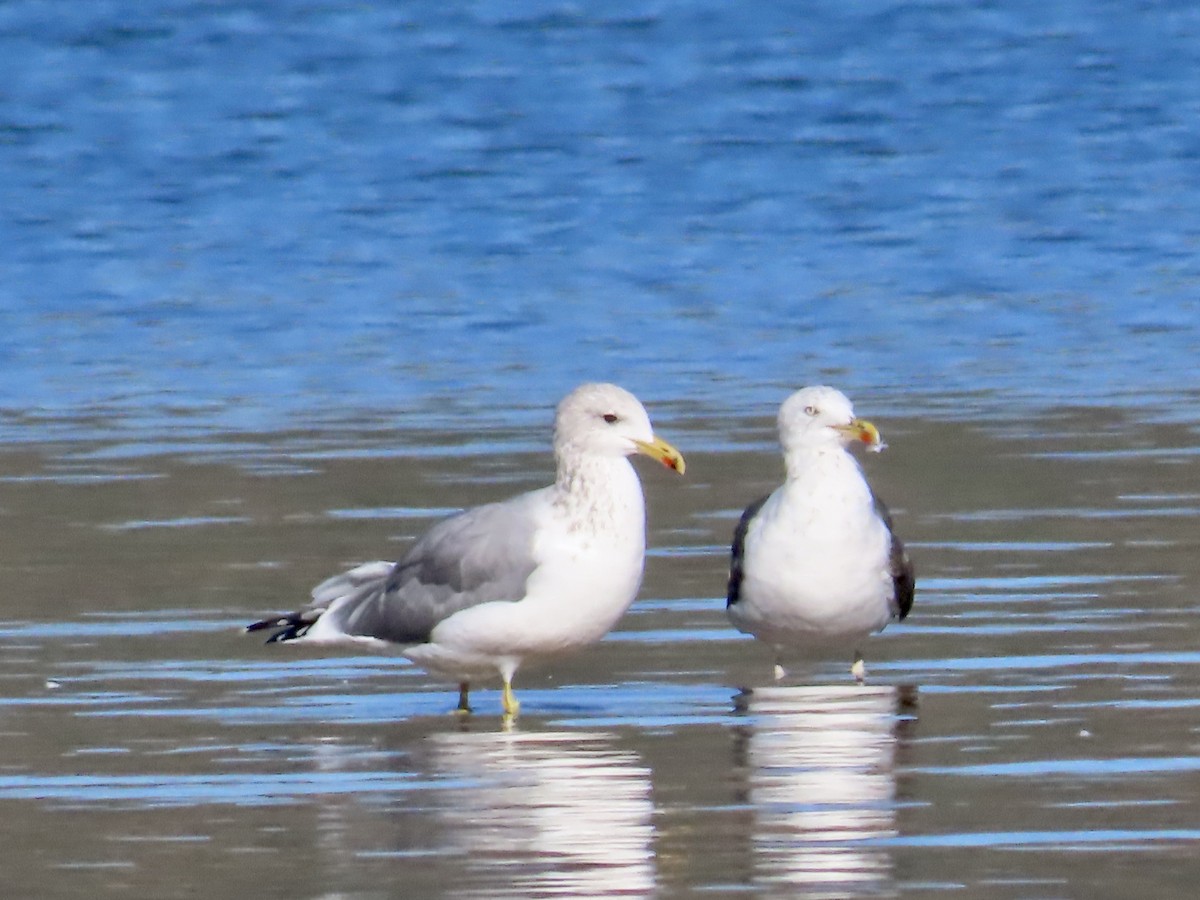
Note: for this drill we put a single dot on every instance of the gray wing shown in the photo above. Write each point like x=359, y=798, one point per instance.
x=479, y=556
x=904, y=576
x=738, y=551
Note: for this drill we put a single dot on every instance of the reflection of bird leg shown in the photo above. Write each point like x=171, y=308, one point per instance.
x=508, y=700
x=859, y=668
x=464, y=707
x=741, y=700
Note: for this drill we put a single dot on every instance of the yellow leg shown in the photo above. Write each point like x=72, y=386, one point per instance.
x=464, y=706
x=859, y=669
x=507, y=699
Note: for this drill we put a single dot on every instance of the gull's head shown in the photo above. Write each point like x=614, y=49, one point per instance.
x=606, y=420
x=815, y=417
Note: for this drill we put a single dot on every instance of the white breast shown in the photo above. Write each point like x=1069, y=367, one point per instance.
x=816, y=561
x=592, y=556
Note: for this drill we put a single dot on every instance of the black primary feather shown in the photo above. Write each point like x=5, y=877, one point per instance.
x=904, y=576
x=738, y=551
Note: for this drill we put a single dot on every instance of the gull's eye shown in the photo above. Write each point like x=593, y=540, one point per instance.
x=810, y=410
x=611, y=418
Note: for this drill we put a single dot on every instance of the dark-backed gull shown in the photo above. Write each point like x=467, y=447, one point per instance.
x=816, y=564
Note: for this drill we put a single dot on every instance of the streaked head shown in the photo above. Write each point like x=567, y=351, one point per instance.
x=607, y=420
x=823, y=416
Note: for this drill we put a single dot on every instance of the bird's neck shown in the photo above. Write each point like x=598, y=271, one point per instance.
x=600, y=490
x=827, y=470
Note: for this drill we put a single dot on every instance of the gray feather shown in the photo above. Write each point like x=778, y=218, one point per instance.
x=482, y=555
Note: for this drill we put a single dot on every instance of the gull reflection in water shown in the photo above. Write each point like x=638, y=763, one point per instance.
x=550, y=813
x=819, y=768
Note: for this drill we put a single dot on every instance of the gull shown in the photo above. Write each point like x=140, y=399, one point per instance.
x=816, y=563
x=491, y=588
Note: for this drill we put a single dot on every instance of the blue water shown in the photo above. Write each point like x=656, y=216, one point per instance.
x=363, y=248
x=258, y=215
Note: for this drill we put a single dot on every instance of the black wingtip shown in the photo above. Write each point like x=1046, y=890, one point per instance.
x=290, y=627
x=904, y=576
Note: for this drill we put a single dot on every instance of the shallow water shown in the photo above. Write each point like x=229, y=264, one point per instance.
x=1033, y=722
x=286, y=282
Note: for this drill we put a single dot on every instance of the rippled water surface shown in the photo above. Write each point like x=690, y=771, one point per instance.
x=285, y=283
x=1029, y=732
